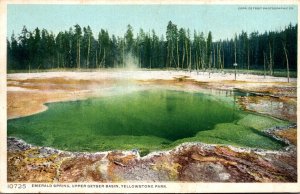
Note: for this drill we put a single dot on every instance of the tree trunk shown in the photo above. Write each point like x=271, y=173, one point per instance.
x=190, y=63
x=172, y=54
x=88, y=53
x=271, y=60
x=168, y=56
x=122, y=54
x=223, y=60
x=177, y=56
x=57, y=60
x=214, y=65
x=96, y=57
x=187, y=53
x=264, y=65
x=103, y=59
x=197, y=60
x=63, y=61
x=183, y=56
x=99, y=56
x=140, y=59
x=219, y=57
x=203, y=58
x=200, y=56
x=287, y=62
x=78, y=54
x=248, y=62
x=234, y=51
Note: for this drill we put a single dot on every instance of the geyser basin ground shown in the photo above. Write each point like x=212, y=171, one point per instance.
x=29, y=94
x=148, y=120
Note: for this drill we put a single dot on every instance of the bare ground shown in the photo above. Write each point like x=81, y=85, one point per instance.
x=27, y=94
x=196, y=162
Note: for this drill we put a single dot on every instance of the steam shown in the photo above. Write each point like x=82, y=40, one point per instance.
x=131, y=62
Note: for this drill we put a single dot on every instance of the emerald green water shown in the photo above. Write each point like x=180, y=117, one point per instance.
x=145, y=120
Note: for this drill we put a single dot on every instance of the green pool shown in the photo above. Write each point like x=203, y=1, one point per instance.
x=147, y=120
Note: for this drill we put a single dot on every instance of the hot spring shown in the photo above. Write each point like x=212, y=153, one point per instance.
x=147, y=120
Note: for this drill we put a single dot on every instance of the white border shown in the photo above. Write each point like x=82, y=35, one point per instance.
x=171, y=187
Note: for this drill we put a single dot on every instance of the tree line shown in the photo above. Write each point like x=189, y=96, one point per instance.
x=179, y=49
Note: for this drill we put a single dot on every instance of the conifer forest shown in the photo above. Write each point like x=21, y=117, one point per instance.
x=178, y=48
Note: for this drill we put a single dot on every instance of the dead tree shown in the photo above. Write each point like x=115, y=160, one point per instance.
x=264, y=64
x=271, y=60
x=287, y=61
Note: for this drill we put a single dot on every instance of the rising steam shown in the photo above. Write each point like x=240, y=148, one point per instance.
x=131, y=62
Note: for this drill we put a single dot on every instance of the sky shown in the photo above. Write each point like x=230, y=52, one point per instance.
x=222, y=20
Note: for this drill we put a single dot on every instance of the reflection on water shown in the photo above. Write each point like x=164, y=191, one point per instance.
x=164, y=113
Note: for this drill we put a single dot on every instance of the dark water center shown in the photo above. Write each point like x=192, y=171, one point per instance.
x=150, y=119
